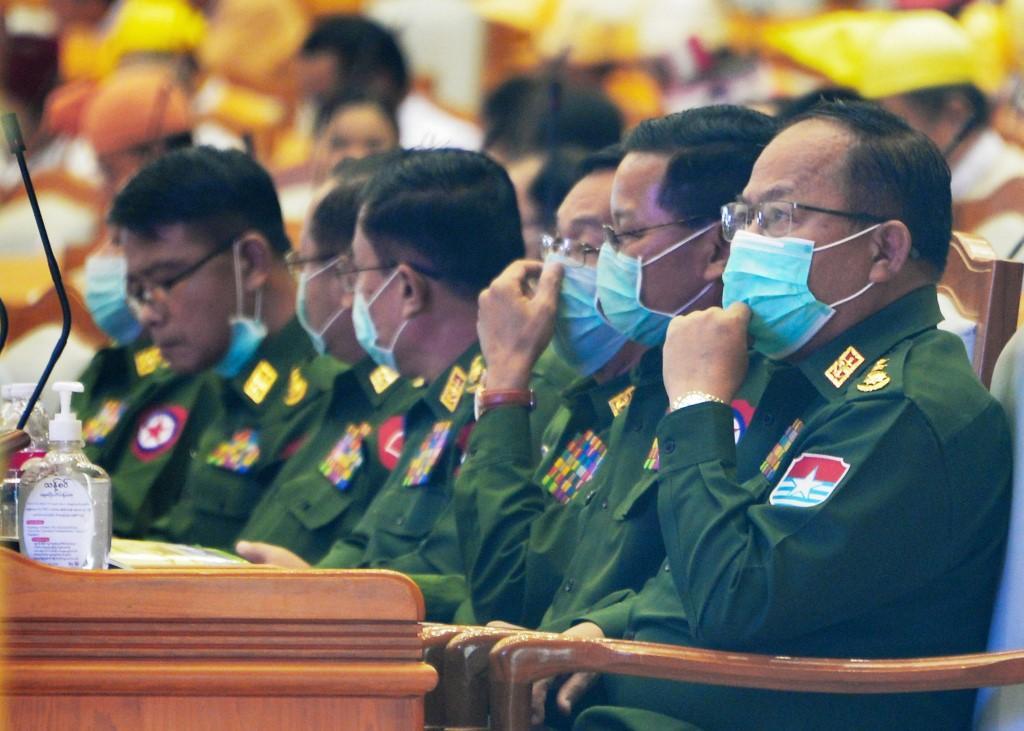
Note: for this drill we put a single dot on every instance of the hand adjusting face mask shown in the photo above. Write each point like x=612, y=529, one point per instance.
x=247, y=333
x=582, y=338
x=770, y=276
x=366, y=330
x=620, y=279
x=316, y=334
x=106, y=297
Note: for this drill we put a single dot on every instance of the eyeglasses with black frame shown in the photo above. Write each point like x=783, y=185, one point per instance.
x=775, y=218
x=574, y=250
x=618, y=239
x=139, y=294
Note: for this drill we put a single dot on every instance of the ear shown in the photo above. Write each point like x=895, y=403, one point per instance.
x=415, y=289
x=255, y=257
x=719, y=256
x=890, y=247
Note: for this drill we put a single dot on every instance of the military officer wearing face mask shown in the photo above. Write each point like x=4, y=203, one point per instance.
x=434, y=229
x=677, y=172
x=204, y=243
x=325, y=487
x=123, y=381
x=865, y=512
x=514, y=515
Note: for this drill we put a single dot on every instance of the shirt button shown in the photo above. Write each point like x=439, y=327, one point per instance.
x=399, y=520
x=767, y=418
x=667, y=568
x=604, y=505
x=569, y=585
x=669, y=446
x=590, y=496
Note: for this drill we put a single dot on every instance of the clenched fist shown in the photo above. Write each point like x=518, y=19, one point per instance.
x=706, y=351
x=515, y=322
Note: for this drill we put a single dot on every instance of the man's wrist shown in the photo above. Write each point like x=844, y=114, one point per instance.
x=692, y=398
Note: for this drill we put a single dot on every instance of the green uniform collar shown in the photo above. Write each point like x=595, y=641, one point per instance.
x=267, y=374
x=833, y=367
x=445, y=396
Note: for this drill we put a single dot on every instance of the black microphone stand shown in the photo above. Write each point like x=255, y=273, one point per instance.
x=13, y=133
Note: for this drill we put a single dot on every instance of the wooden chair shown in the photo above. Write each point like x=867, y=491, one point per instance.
x=435, y=638
x=519, y=660
x=987, y=291
x=224, y=649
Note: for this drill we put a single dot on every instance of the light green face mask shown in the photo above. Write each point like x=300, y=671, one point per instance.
x=316, y=334
x=247, y=333
x=620, y=279
x=582, y=338
x=770, y=275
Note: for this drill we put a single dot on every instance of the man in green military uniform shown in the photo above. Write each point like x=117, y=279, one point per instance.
x=665, y=256
x=420, y=266
x=325, y=487
x=204, y=242
x=143, y=437
x=851, y=520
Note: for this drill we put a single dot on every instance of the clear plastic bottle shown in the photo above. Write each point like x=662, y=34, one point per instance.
x=64, y=508
x=17, y=396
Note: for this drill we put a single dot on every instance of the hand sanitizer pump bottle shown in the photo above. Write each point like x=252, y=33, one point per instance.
x=64, y=509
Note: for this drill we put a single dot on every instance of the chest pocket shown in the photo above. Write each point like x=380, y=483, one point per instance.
x=228, y=494
x=641, y=496
x=313, y=501
x=410, y=512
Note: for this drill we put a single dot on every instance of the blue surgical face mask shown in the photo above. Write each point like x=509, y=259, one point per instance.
x=105, y=296
x=620, y=279
x=770, y=276
x=366, y=330
x=247, y=333
x=316, y=334
x=582, y=338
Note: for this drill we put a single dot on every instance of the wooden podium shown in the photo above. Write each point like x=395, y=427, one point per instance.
x=210, y=649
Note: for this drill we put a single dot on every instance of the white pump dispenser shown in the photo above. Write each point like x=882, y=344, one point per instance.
x=64, y=508
x=64, y=427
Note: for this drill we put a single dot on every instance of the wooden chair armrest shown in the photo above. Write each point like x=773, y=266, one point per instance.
x=465, y=672
x=517, y=661
x=11, y=442
x=435, y=637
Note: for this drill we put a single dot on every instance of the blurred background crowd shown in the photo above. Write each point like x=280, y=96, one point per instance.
x=102, y=86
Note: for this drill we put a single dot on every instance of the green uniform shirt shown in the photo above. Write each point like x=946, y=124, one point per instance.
x=618, y=545
x=327, y=484
x=141, y=423
x=410, y=526
x=516, y=519
x=864, y=515
x=110, y=380
x=264, y=412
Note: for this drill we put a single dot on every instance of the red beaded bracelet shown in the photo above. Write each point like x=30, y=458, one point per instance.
x=490, y=398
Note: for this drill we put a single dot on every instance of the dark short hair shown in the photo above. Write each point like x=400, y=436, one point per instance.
x=554, y=180
x=352, y=98
x=333, y=223
x=364, y=50
x=221, y=192
x=894, y=171
x=711, y=152
x=607, y=158
x=795, y=106
x=451, y=213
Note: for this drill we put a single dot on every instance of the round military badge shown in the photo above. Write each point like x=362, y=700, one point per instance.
x=390, y=441
x=158, y=431
x=742, y=414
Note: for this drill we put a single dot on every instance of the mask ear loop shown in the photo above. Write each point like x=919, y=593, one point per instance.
x=867, y=286
x=239, y=298
x=666, y=252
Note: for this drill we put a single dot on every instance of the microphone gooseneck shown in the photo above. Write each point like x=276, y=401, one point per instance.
x=14, y=140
